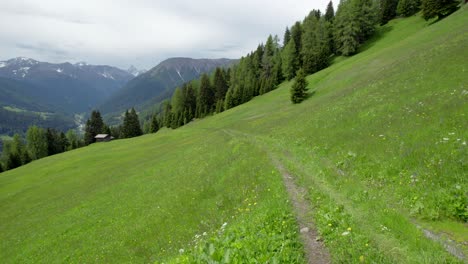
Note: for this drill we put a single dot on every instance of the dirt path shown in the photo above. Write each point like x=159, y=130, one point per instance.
x=315, y=250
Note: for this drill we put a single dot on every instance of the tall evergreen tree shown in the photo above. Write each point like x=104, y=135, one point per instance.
x=56, y=141
x=387, y=10
x=154, y=125
x=296, y=34
x=205, y=101
x=290, y=62
x=94, y=126
x=167, y=116
x=438, y=8
x=131, y=125
x=286, y=37
x=315, y=47
x=299, y=87
x=408, y=8
x=330, y=12
x=354, y=23
x=220, y=84
x=190, y=103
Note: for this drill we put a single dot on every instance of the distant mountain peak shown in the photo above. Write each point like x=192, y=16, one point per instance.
x=81, y=64
x=134, y=71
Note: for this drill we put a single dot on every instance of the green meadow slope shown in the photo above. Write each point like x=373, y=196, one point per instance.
x=380, y=146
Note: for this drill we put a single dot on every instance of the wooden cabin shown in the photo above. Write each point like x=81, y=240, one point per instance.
x=103, y=138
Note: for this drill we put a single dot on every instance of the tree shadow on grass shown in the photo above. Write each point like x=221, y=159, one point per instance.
x=310, y=94
x=380, y=33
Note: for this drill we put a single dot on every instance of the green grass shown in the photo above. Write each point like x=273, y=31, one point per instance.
x=380, y=147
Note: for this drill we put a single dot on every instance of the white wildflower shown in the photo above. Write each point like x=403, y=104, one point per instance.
x=345, y=233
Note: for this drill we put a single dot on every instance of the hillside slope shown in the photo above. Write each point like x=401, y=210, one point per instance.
x=380, y=146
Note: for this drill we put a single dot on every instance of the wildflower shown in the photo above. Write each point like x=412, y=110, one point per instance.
x=349, y=228
x=345, y=233
x=181, y=251
x=329, y=224
x=367, y=245
x=204, y=234
x=361, y=258
x=224, y=225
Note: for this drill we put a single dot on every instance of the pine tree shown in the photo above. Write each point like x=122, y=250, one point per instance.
x=228, y=102
x=296, y=34
x=205, y=100
x=438, y=8
x=388, y=10
x=287, y=37
x=290, y=62
x=330, y=12
x=190, y=103
x=408, y=8
x=167, y=114
x=299, y=87
x=94, y=126
x=219, y=84
x=154, y=125
x=131, y=125
x=354, y=23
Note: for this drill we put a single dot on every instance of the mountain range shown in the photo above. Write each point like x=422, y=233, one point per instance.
x=70, y=88
x=159, y=83
x=54, y=94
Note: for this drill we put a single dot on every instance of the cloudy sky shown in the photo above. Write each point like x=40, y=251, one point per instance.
x=142, y=32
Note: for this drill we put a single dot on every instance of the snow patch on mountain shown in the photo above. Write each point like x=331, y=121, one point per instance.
x=107, y=76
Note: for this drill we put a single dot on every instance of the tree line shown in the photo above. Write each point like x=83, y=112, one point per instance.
x=42, y=142
x=307, y=47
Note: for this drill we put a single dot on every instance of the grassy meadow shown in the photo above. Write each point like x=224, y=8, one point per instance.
x=380, y=146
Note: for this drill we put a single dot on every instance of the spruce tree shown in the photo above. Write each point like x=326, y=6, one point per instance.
x=154, y=125
x=299, y=87
x=219, y=84
x=94, y=126
x=205, y=100
x=408, y=8
x=296, y=34
x=330, y=12
x=286, y=37
x=131, y=125
x=388, y=10
x=289, y=60
x=438, y=8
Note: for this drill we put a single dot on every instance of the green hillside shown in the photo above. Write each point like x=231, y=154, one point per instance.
x=380, y=147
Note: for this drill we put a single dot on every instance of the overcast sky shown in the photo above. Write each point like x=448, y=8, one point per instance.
x=142, y=32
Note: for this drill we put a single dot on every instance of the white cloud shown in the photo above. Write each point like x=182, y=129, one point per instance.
x=142, y=32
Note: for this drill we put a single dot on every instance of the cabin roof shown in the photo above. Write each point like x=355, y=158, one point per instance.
x=101, y=136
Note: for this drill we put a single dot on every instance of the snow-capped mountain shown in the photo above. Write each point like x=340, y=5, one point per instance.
x=134, y=71
x=74, y=87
